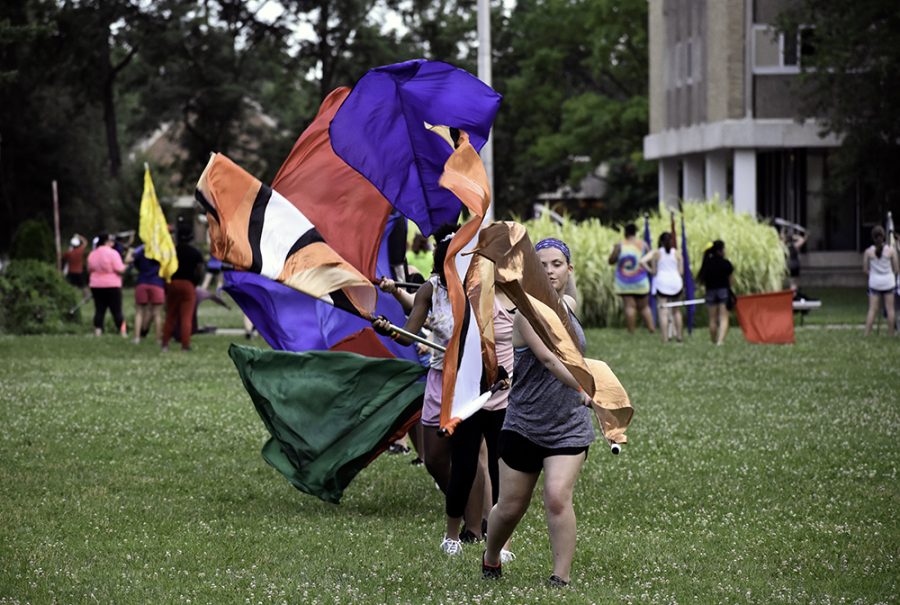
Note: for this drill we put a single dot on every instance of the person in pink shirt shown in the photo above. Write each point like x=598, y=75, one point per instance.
x=106, y=267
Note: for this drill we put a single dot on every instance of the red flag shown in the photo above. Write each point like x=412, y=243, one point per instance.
x=767, y=318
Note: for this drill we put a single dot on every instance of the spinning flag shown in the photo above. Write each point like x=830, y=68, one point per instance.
x=329, y=413
x=688, y=278
x=649, y=241
x=154, y=231
x=521, y=277
x=383, y=130
x=471, y=347
x=256, y=229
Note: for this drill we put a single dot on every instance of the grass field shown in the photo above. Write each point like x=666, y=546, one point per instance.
x=755, y=474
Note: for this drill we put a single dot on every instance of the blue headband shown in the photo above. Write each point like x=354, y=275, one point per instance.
x=552, y=242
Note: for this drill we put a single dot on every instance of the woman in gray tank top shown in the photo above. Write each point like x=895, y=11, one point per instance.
x=547, y=428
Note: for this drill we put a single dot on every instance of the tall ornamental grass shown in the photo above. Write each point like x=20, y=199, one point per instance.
x=753, y=247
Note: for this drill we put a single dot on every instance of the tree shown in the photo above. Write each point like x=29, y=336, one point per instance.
x=850, y=60
x=574, y=76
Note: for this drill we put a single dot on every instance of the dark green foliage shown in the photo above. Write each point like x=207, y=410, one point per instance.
x=33, y=240
x=36, y=299
x=574, y=76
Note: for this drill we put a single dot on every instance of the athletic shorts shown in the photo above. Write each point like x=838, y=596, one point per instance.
x=717, y=296
x=148, y=294
x=431, y=408
x=522, y=455
x=670, y=297
x=874, y=292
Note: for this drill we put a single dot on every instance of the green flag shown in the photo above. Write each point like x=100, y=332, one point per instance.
x=328, y=412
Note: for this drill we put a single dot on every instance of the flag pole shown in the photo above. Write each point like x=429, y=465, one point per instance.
x=417, y=338
x=56, y=225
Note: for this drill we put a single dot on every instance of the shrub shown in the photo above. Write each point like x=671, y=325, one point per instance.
x=36, y=299
x=33, y=240
x=753, y=247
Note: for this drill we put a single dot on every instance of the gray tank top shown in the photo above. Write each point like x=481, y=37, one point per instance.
x=544, y=410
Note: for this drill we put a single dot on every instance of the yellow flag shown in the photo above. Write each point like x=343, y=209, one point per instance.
x=154, y=231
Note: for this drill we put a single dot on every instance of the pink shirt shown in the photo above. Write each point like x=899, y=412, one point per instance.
x=503, y=329
x=105, y=266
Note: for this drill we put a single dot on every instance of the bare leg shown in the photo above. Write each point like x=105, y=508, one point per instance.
x=663, y=313
x=515, y=496
x=644, y=307
x=889, y=307
x=713, y=321
x=157, y=311
x=723, y=324
x=140, y=313
x=630, y=313
x=872, y=312
x=679, y=324
x=560, y=473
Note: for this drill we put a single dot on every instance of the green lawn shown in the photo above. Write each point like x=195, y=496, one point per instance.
x=755, y=474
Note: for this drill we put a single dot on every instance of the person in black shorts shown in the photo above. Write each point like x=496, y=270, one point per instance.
x=717, y=274
x=547, y=428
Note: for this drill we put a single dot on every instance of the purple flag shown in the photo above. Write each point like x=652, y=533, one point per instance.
x=381, y=130
x=688, y=278
x=649, y=242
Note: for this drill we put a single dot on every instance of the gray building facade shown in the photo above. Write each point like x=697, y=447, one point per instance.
x=726, y=121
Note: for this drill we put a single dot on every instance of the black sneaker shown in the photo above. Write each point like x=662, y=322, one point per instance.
x=468, y=537
x=417, y=461
x=396, y=448
x=490, y=572
x=556, y=582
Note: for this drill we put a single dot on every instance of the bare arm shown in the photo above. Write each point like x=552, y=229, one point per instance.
x=405, y=299
x=614, y=255
x=648, y=262
x=418, y=315
x=680, y=260
x=524, y=333
x=895, y=263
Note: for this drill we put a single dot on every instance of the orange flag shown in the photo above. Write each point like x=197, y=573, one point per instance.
x=520, y=275
x=767, y=318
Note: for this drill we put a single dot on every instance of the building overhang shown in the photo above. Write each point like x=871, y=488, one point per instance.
x=736, y=134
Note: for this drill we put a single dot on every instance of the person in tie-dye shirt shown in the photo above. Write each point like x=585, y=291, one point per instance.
x=632, y=282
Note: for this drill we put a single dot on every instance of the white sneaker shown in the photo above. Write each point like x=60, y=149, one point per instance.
x=506, y=556
x=451, y=547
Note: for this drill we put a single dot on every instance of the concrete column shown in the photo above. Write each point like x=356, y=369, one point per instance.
x=745, y=180
x=693, y=177
x=716, y=175
x=668, y=182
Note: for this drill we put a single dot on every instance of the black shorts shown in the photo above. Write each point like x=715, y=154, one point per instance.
x=76, y=279
x=522, y=455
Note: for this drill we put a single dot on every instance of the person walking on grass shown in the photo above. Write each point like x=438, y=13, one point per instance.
x=73, y=264
x=631, y=280
x=667, y=267
x=717, y=274
x=106, y=267
x=149, y=296
x=181, y=294
x=432, y=303
x=547, y=429
x=880, y=263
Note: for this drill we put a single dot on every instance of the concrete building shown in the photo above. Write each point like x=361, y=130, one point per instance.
x=726, y=121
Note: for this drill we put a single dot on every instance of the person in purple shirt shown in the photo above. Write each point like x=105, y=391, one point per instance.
x=149, y=296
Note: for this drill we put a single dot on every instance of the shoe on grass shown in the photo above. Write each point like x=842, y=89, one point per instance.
x=469, y=537
x=556, y=582
x=507, y=555
x=490, y=572
x=451, y=547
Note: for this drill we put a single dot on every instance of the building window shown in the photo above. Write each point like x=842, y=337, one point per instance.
x=778, y=53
